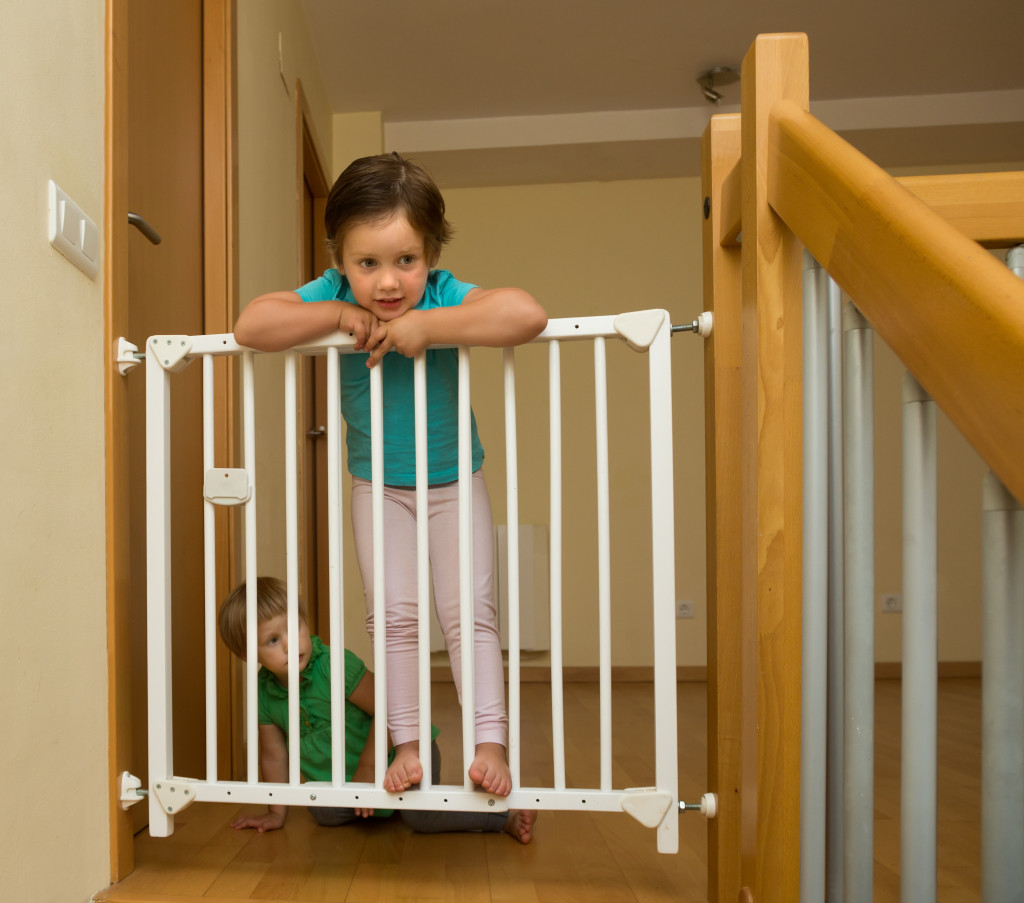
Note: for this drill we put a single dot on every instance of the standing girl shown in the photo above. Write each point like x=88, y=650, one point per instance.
x=386, y=225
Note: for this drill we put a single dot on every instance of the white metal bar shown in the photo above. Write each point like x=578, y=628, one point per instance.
x=423, y=562
x=291, y=469
x=918, y=771
x=467, y=632
x=210, y=576
x=558, y=329
x=814, y=627
x=1002, y=691
x=251, y=566
x=557, y=704
x=1002, y=763
x=158, y=586
x=663, y=582
x=836, y=717
x=512, y=536
x=859, y=596
x=604, y=598
x=335, y=569
x=442, y=797
x=379, y=613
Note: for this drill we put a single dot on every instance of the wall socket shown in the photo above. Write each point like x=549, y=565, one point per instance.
x=892, y=603
x=684, y=608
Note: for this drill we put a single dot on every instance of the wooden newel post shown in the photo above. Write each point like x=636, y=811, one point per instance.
x=775, y=69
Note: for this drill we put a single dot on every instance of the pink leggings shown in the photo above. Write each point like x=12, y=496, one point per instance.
x=400, y=582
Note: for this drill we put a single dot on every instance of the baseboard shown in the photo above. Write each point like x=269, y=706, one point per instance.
x=894, y=670
x=541, y=674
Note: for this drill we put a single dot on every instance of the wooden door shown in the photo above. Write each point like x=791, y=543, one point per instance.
x=159, y=167
x=165, y=296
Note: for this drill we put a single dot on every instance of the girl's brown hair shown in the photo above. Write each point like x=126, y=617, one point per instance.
x=373, y=189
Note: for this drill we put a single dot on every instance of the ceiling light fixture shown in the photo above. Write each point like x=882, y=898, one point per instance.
x=716, y=77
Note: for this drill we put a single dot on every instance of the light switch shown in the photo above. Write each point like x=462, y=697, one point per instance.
x=72, y=232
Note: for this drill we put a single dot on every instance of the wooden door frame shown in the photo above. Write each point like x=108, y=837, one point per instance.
x=220, y=280
x=310, y=171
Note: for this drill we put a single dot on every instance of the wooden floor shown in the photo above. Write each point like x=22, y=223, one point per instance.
x=574, y=856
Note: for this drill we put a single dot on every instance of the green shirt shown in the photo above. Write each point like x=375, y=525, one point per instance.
x=315, y=712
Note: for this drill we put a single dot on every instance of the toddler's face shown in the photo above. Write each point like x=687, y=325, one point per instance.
x=386, y=265
x=272, y=646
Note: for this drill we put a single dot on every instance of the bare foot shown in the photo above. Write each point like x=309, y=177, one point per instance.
x=405, y=769
x=489, y=769
x=520, y=824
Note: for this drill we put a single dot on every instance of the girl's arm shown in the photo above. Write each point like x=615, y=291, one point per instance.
x=280, y=320
x=274, y=768
x=494, y=317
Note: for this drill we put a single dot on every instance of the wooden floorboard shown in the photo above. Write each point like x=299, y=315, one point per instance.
x=574, y=856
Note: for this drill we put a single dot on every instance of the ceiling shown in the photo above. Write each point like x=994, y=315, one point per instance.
x=487, y=92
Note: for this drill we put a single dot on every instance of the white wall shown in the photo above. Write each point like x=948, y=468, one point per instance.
x=53, y=761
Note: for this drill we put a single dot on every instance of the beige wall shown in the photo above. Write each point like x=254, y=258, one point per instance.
x=53, y=761
x=596, y=249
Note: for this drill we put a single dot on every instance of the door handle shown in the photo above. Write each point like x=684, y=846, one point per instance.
x=317, y=433
x=145, y=228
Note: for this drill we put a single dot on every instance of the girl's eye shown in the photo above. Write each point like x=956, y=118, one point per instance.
x=407, y=259
x=367, y=263
x=273, y=641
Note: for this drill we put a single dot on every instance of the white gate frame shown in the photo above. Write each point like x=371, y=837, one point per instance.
x=657, y=807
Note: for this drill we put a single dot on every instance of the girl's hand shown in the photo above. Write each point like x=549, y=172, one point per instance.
x=271, y=821
x=358, y=321
x=406, y=334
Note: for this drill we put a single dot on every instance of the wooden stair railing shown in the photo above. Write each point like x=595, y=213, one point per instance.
x=909, y=252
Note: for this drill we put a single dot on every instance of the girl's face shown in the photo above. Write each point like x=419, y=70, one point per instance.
x=386, y=265
x=272, y=646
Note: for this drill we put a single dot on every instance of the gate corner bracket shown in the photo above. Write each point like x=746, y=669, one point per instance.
x=170, y=351
x=174, y=794
x=647, y=805
x=640, y=327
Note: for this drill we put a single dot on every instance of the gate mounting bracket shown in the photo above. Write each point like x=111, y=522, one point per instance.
x=131, y=790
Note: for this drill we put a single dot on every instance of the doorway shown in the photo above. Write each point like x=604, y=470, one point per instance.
x=169, y=145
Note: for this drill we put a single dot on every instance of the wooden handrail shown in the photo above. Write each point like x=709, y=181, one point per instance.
x=946, y=307
x=987, y=207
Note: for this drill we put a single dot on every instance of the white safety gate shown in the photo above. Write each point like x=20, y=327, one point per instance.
x=647, y=332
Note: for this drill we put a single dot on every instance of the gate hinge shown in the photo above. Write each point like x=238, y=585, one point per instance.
x=174, y=794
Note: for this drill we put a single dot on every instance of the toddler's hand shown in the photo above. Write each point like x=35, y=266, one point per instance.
x=358, y=321
x=270, y=821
